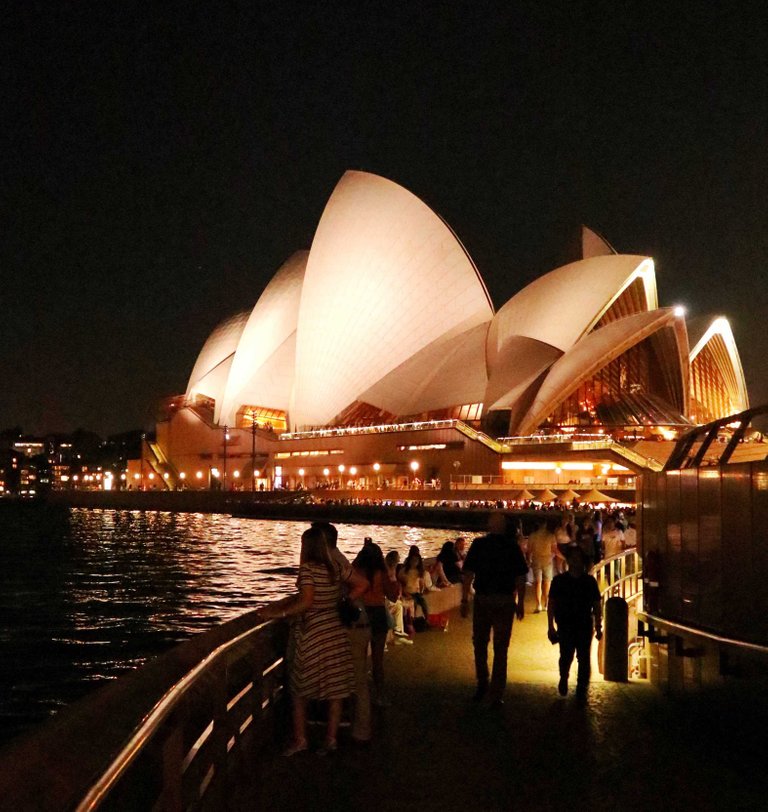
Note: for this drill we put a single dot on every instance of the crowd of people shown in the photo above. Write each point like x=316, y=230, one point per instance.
x=330, y=659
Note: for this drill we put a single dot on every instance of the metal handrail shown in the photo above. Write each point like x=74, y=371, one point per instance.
x=696, y=632
x=152, y=722
x=608, y=581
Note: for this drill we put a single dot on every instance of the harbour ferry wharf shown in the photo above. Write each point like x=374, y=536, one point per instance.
x=629, y=748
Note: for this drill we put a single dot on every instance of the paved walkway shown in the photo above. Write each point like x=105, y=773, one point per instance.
x=628, y=749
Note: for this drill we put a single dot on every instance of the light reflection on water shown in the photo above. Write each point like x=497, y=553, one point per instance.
x=87, y=596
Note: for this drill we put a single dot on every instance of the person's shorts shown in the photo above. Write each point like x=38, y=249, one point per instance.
x=540, y=573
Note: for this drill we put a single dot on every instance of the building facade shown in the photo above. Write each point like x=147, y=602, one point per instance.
x=377, y=360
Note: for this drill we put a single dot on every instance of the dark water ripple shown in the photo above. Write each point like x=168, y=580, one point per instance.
x=87, y=595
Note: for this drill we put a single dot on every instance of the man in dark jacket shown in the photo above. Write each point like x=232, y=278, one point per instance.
x=496, y=565
x=574, y=613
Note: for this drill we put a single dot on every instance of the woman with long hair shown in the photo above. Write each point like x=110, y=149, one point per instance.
x=413, y=579
x=320, y=659
x=447, y=570
x=370, y=567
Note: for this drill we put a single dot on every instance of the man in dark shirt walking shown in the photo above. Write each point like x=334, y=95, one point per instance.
x=574, y=612
x=496, y=565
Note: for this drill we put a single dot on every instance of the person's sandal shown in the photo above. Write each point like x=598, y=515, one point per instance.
x=296, y=747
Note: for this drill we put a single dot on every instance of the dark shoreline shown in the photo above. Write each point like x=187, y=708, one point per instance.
x=268, y=507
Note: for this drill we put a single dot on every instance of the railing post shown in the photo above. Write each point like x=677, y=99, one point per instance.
x=615, y=668
x=172, y=756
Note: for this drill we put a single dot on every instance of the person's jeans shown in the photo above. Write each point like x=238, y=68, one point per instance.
x=579, y=642
x=492, y=613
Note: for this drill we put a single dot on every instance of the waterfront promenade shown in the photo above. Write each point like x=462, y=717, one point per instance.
x=630, y=748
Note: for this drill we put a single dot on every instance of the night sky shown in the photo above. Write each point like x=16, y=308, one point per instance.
x=159, y=161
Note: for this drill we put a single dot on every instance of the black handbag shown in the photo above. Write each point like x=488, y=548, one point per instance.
x=349, y=614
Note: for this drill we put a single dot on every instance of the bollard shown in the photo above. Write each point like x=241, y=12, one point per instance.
x=616, y=640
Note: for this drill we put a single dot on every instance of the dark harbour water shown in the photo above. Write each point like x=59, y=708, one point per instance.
x=86, y=595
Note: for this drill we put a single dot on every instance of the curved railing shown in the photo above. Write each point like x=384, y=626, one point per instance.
x=620, y=575
x=693, y=631
x=205, y=711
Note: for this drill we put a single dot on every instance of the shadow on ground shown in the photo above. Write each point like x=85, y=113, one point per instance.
x=630, y=748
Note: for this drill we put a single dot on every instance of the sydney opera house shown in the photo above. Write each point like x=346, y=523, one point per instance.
x=376, y=359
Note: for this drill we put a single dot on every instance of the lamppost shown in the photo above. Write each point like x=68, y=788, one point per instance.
x=224, y=477
x=414, y=468
x=377, y=468
x=141, y=462
x=301, y=475
x=341, y=475
x=253, y=451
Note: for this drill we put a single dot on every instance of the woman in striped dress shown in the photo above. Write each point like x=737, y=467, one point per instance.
x=321, y=665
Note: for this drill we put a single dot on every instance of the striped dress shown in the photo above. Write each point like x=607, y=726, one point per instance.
x=322, y=660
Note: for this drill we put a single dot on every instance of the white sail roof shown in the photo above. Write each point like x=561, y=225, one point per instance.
x=386, y=277
x=272, y=322
x=596, y=350
x=211, y=370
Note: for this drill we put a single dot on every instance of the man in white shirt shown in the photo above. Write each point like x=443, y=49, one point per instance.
x=542, y=548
